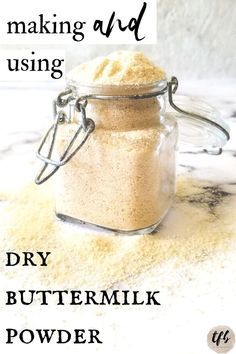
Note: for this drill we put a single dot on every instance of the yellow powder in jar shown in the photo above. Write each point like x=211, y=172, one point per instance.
x=123, y=177
x=118, y=68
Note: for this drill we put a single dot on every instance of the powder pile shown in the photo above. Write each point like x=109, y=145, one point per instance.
x=191, y=233
x=123, y=178
x=118, y=68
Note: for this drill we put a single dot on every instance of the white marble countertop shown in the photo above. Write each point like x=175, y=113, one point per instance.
x=189, y=309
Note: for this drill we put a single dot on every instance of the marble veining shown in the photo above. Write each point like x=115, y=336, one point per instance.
x=194, y=269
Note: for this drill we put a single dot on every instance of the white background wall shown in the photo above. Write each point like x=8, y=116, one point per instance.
x=196, y=39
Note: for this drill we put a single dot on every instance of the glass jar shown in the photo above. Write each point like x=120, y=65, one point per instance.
x=114, y=149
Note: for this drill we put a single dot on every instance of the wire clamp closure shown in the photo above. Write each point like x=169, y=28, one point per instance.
x=86, y=126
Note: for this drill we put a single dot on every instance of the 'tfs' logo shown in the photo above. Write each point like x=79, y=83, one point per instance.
x=219, y=337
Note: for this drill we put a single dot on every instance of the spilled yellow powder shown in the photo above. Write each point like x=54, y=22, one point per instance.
x=120, y=67
x=80, y=258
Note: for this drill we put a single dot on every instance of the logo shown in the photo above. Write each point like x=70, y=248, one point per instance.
x=221, y=339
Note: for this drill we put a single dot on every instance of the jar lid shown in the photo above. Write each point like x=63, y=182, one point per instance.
x=200, y=125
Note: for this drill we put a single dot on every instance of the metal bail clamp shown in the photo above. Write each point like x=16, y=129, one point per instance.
x=87, y=125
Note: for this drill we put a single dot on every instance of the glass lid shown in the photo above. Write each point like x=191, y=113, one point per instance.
x=200, y=124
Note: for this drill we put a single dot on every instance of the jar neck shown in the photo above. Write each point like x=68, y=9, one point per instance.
x=79, y=89
x=121, y=107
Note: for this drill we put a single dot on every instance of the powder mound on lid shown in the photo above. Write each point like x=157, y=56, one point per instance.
x=118, y=68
